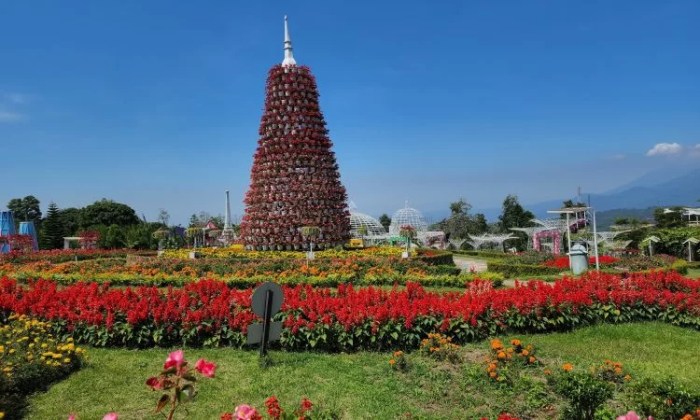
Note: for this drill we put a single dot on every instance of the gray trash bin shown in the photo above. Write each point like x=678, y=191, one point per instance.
x=579, y=258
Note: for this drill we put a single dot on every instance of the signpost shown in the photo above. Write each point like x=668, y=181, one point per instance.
x=266, y=302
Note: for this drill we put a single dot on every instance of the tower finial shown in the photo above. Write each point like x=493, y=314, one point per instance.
x=288, y=55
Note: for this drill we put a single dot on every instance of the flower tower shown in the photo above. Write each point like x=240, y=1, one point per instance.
x=294, y=180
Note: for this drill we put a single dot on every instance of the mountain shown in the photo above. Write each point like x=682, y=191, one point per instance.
x=683, y=190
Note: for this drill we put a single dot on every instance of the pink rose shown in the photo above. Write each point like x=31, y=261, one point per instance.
x=246, y=412
x=111, y=416
x=176, y=358
x=205, y=367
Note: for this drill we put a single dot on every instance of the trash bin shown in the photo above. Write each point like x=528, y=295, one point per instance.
x=579, y=258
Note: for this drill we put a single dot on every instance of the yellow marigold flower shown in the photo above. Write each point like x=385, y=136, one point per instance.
x=627, y=378
x=568, y=367
x=66, y=360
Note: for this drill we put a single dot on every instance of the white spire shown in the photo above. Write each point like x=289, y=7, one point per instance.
x=227, y=221
x=288, y=55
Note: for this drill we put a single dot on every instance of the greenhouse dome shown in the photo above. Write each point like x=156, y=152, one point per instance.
x=407, y=216
x=371, y=225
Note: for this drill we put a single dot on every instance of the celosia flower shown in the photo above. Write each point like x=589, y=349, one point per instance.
x=306, y=405
x=273, y=407
x=205, y=367
x=154, y=383
x=246, y=412
x=175, y=359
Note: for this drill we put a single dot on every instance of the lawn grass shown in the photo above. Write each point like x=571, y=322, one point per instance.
x=362, y=385
x=694, y=273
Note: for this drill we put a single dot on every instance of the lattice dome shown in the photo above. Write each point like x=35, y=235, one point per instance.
x=372, y=225
x=407, y=216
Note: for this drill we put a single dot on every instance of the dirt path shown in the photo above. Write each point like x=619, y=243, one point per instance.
x=466, y=263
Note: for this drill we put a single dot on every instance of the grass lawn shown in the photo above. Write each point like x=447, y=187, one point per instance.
x=362, y=385
x=694, y=273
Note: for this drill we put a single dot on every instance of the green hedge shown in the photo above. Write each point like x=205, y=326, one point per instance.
x=510, y=270
x=435, y=257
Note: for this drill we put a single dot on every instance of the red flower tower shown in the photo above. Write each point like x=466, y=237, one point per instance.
x=294, y=180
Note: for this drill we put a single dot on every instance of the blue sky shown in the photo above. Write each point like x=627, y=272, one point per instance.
x=157, y=104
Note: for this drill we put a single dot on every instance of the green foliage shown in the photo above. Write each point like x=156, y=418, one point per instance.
x=25, y=209
x=435, y=257
x=664, y=399
x=514, y=215
x=52, y=230
x=669, y=219
x=584, y=392
x=115, y=237
x=460, y=223
x=514, y=270
x=385, y=221
x=70, y=220
x=106, y=213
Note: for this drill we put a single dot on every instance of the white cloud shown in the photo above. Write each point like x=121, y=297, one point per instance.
x=11, y=117
x=661, y=149
x=17, y=98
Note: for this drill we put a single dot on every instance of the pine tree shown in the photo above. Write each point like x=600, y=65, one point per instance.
x=52, y=229
x=294, y=179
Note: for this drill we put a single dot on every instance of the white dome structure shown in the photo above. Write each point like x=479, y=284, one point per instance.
x=407, y=216
x=371, y=225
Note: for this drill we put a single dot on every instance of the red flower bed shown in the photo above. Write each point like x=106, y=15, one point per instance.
x=210, y=313
x=563, y=262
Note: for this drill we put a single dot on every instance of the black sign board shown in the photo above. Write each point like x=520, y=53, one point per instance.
x=266, y=302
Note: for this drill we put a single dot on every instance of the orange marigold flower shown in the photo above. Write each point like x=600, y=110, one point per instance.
x=627, y=378
x=501, y=355
x=568, y=367
x=687, y=417
x=618, y=371
x=392, y=362
x=547, y=372
x=515, y=342
x=493, y=374
x=532, y=359
x=525, y=352
x=496, y=344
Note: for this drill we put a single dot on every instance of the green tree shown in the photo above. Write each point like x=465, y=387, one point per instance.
x=108, y=212
x=26, y=210
x=669, y=218
x=480, y=224
x=52, y=229
x=514, y=215
x=70, y=220
x=115, y=237
x=385, y=221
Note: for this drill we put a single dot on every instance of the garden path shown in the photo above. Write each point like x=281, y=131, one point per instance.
x=466, y=262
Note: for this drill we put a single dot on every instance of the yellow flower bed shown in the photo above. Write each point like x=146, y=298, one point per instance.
x=31, y=357
x=237, y=251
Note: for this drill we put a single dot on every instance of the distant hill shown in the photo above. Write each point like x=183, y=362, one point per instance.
x=605, y=219
x=683, y=190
